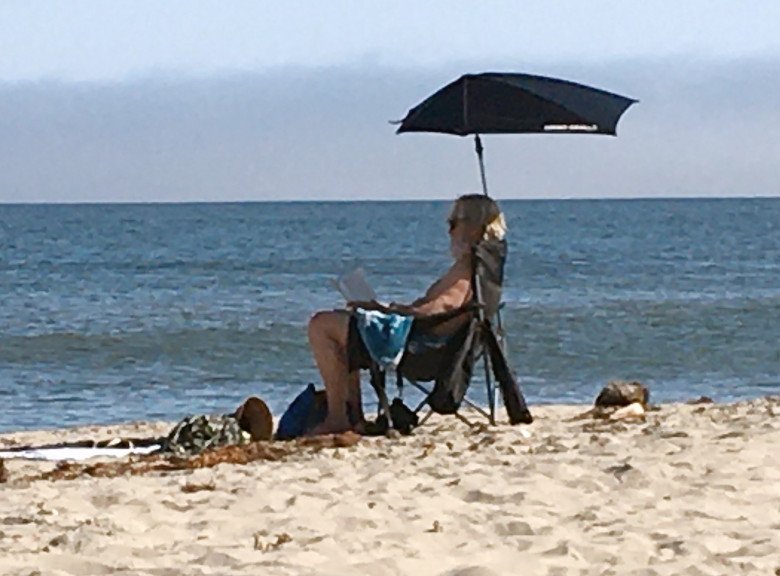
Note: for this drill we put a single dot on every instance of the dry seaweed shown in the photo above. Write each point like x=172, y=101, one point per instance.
x=162, y=463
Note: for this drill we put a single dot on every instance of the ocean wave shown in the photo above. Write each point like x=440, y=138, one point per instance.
x=175, y=346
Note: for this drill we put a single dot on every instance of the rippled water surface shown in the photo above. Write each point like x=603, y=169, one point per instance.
x=117, y=312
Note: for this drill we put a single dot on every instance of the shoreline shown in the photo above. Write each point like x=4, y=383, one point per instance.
x=689, y=489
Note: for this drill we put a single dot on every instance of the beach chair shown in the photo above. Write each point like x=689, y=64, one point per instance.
x=443, y=372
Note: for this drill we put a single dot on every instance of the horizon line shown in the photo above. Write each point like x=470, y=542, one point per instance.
x=376, y=200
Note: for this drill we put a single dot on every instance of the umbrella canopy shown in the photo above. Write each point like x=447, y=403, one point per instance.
x=507, y=103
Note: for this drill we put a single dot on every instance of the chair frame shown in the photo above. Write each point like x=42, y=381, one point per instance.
x=378, y=375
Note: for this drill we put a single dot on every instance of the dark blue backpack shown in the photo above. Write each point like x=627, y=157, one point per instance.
x=308, y=409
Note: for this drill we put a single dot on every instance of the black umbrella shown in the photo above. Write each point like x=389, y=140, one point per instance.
x=505, y=103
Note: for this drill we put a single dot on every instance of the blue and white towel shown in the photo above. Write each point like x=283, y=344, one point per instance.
x=384, y=335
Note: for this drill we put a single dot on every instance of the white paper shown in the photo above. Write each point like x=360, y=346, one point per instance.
x=354, y=287
x=75, y=453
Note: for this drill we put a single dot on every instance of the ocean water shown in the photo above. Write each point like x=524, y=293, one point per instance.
x=121, y=312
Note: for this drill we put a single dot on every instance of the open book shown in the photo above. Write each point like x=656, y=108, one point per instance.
x=354, y=286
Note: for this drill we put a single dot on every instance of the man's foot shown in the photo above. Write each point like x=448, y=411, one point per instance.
x=329, y=428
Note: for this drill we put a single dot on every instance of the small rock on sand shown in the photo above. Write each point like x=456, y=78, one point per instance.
x=621, y=393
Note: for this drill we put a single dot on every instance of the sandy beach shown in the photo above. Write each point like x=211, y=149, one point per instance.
x=689, y=489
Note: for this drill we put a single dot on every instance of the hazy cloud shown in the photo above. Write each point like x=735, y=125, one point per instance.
x=700, y=129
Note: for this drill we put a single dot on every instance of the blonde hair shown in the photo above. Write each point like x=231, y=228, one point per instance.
x=496, y=228
x=481, y=211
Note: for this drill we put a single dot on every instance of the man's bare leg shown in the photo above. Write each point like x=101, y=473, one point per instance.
x=354, y=399
x=328, y=339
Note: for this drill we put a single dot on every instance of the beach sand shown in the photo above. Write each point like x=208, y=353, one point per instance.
x=690, y=489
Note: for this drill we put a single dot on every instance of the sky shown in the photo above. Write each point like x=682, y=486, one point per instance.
x=138, y=101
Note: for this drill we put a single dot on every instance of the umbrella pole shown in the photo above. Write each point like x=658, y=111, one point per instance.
x=478, y=147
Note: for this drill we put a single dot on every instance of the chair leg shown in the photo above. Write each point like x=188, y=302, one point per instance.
x=424, y=419
x=457, y=415
x=476, y=408
x=378, y=383
x=491, y=390
x=425, y=391
x=462, y=418
x=490, y=416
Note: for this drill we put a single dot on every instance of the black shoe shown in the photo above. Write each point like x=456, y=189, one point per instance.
x=378, y=427
x=404, y=419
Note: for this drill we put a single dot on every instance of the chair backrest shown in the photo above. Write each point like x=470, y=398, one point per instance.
x=489, y=258
x=487, y=280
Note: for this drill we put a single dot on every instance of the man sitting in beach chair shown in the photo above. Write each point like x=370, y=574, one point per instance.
x=442, y=333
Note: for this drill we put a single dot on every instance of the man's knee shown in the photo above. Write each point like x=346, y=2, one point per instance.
x=318, y=324
x=328, y=324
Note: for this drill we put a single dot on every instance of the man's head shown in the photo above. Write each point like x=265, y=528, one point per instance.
x=474, y=217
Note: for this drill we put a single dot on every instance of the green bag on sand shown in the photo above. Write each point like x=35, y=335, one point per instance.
x=252, y=422
x=195, y=434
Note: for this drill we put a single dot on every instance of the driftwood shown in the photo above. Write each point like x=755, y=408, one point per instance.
x=162, y=463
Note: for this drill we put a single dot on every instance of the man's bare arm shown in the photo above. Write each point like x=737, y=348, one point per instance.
x=454, y=296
